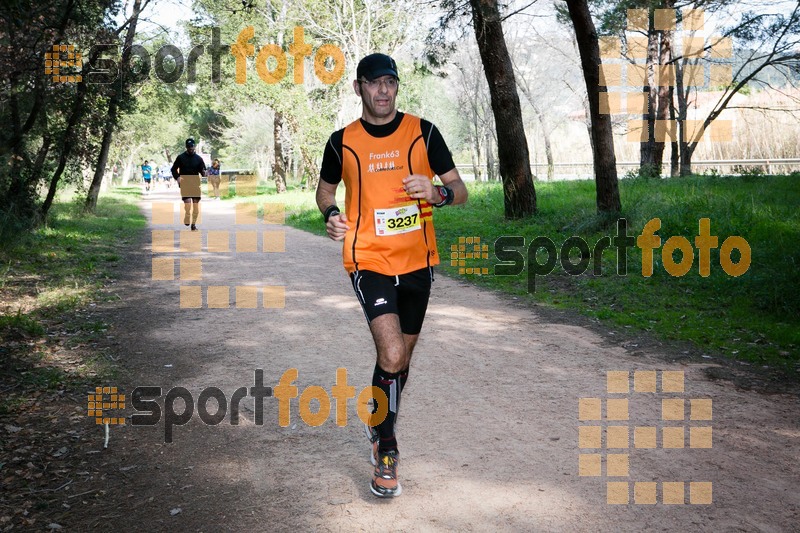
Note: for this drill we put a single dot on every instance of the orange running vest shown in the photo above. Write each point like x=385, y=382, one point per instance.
x=390, y=232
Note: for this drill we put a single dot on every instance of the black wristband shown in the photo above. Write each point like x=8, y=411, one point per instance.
x=330, y=211
x=447, y=192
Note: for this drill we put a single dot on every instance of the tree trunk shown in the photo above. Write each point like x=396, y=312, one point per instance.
x=685, y=162
x=686, y=159
x=311, y=168
x=605, y=162
x=278, y=167
x=674, y=156
x=66, y=148
x=475, y=148
x=21, y=195
x=297, y=168
x=515, y=168
x=126, y=172
x=53, y=187
x=291, y=168
x=102, y=159
x=588, y=123
x=476, y=162
x=665, y=92
x=548, y=148
x=490, y=164
x=113, y=112
x=647, y=148
x=42, y=155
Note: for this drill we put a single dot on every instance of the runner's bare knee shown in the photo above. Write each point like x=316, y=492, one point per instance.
x=389, y=342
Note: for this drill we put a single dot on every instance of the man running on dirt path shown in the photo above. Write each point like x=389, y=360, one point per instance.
x=189, y=163
x=387, y=161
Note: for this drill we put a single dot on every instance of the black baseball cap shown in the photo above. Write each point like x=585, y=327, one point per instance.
x=190, y=142
x=376, y=65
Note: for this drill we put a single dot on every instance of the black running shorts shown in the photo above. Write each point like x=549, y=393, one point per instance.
x=405, y=295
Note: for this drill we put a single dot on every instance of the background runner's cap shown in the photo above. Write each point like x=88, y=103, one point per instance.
x=189, y=142
x=376, y=65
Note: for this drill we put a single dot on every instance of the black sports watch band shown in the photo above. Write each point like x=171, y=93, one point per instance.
x=330, y=211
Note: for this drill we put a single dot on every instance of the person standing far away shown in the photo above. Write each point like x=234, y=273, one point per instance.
x=387, y=160
x=214, y=177
x=189, y=163
x=147, y=175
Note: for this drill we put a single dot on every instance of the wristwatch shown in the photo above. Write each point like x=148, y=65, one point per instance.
x=447, y=195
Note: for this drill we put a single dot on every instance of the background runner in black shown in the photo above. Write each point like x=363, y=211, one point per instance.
x=189, y=164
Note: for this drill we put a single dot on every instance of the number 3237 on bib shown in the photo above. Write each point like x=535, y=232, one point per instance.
x=397, y=220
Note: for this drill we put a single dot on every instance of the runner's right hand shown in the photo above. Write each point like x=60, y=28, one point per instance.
x=337, y=226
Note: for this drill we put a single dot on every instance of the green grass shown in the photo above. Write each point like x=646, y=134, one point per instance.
x=20, y=324
x=300, y=206
x=48, y=274
x=754, y=317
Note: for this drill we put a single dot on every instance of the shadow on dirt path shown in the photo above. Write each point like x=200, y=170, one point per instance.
x=489, y=434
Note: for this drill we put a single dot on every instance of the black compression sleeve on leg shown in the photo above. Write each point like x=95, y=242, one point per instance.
x=389, y=383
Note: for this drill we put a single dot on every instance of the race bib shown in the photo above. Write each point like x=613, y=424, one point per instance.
x=397, y=220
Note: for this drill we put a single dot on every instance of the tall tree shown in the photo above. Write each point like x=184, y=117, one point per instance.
x=605, y=161
x=614, y=20
x=307, y=109
x=519, y=195
x=546, y=128
x=476, y=108
x=665, y=92
x=116, y=101
x=279, y=166
x=647, y=148
x=659, y=54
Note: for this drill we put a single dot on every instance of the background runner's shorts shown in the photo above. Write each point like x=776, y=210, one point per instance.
x=405, y=295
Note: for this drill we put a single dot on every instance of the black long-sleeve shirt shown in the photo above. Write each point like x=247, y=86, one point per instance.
x=187, y=164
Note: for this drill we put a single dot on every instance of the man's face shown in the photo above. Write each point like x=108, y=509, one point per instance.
x=190, y=149
x=377, y=98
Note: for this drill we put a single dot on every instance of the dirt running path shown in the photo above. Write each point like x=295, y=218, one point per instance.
x=489, y=428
